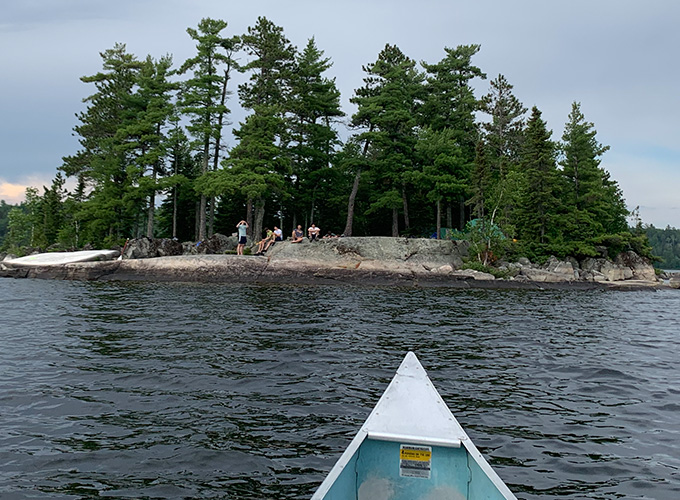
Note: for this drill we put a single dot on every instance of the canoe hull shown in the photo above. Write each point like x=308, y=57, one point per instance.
x=376, y=473
x=412, y=447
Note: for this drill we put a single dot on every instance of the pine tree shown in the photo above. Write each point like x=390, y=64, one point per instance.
x=482, y=181
x=444, y=170
x=177, y=213
x=451, y=105
x=503, y=138
x=103, y=160
x=70, y=232
x=388, y=104
x=258, y=165
x=203, y=95
x=313, y=110
x=594, y=202
x=53, y=209
x=4, y=213
x=144, y=136
x=537, y=219
x=19, y=229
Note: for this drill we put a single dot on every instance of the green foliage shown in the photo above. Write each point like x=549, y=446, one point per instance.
x=106, y=160
x=19, y=229
x=487, y=241
x=497, y=180
x=418, y=156
x=665, y=243
x=5, y=208
x=537, y=218
x=594, y=203
x=314, y=107
x=387, y=105
x=203, y=96
x=625, y=241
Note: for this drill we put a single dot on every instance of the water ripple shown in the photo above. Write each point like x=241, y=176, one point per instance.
x=146, y=390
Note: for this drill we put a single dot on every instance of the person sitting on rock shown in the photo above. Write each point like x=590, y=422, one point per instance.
x=271, y=239
x=297, y=235
x=265, y=242
x=313, y=232
x=278, y=234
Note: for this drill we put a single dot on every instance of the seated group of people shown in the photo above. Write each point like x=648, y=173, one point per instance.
x=296, y=237
x=270, y=238
x=312, y=233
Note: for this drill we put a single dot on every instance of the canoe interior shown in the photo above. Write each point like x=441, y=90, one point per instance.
x=375, y=472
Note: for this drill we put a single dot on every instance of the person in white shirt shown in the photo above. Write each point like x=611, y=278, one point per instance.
x=313, y=232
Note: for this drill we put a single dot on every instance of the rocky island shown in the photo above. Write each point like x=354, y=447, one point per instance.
x=358, y=260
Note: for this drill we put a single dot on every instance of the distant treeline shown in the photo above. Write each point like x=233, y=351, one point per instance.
x=423, y=154
x=4, y=219
x=665, y=245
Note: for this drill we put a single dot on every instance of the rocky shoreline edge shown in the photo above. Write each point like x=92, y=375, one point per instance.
x=355, y=260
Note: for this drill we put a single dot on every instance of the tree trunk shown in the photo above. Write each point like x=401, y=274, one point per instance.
x=197, y=221
x=407, y=221
x=218, y=145
x=449, y=216
x=152, y=207
x=202, y=209
x=259, y=217
x=353, y=194
x=461, y=207
x=150, y=214
x=350, y=205
x=211, y=219
x=311, y=215
x=249, y=218
x=439, y=218
x=201, y=218
x=174, y=212
x=395, y=223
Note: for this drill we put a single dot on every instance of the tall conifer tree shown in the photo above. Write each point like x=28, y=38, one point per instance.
x=201, y=97
x=314, y=108
x=594, y=201
x=537, y=218
x=451, y=105
x=103, y=160
x=260, y=162
x=503, y=135
x=389, y=104
x=144, y=136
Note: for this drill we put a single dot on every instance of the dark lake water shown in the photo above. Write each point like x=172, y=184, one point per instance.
x=183, y=391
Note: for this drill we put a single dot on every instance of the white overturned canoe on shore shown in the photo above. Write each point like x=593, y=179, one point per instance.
x=61, y=258
x=412, y=447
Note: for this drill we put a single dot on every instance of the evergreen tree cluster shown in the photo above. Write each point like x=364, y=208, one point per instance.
x=666, y=246
x=424, y=156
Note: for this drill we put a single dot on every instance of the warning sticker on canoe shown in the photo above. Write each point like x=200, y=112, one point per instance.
x=415, y=461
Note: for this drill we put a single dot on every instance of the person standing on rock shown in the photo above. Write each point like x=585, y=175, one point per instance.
x=242, y=227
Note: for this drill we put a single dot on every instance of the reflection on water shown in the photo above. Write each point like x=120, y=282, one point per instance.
x=211, y=391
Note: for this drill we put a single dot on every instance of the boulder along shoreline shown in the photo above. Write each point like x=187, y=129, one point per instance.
x=374, y=261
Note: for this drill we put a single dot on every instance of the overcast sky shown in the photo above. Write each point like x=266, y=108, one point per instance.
x=618, y=58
